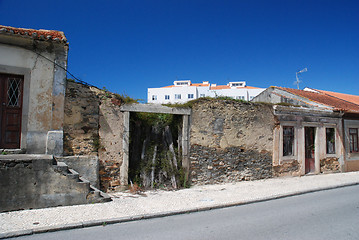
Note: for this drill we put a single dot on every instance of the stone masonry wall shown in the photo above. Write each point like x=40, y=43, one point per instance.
x=329, y=165
x=81, y=120
x=230, y=141
x=93, y=127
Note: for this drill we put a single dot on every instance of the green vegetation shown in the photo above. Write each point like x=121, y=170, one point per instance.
x=124, y=98
x=190, y=104
x=96, y=142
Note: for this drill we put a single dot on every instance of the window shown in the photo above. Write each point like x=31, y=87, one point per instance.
x=353, y=139
x=202, y=95
x=154, y=97
x=13, y=92
x=288, y=141
x=182, y=83
x=167, y=97
x=330, y=139
x=177, y=96
x=190, y=96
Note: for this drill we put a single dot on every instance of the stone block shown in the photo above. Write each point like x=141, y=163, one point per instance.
x=54, y=143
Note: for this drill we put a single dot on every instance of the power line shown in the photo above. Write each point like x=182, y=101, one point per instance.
x=67, y=71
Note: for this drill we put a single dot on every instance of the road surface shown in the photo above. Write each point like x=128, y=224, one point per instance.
x=331, y=214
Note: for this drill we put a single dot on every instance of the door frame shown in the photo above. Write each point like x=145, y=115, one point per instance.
x=26, y=73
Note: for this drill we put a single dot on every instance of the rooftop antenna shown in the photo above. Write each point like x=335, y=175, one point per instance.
x=297, y=77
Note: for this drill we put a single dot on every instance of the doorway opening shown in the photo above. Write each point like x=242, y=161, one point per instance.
x=309, y=149
x=156, y=153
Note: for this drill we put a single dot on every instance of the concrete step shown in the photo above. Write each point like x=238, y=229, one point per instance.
x=62, y=167
x=73, y=174
x=94, y=195
x=62, y=186
x=12, y=151
x=99, y=194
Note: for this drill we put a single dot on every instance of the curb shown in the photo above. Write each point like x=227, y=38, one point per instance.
x=105, y=222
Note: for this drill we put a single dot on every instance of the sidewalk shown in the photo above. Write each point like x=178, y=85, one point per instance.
x=129, y=207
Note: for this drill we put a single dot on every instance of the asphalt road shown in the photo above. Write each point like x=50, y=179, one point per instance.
x=331, y=214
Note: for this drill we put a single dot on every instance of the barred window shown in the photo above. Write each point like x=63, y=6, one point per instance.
x=288, y=141
x=353, y=139
x=330, y=139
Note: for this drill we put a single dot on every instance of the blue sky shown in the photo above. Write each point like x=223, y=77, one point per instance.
x=130, y=45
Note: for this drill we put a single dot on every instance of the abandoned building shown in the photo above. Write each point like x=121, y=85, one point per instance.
x=32, y=96
x=75, y=138
x=317, y=129
x=33, y=76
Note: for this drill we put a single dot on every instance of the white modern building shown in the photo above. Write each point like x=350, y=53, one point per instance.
x=184, y=90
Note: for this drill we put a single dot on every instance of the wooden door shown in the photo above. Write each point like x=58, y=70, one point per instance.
x=11, y=93
x=309, y=149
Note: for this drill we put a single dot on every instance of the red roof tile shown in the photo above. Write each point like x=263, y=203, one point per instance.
x=323, y=98
x=346, y=97
x=219, y=87
x=34, y=34
x=212, y=87
x=192, y=85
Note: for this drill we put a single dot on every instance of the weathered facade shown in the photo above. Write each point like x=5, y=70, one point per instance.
x=301, y=140
x=32, y=99
x=317, y=130
x=32, y=89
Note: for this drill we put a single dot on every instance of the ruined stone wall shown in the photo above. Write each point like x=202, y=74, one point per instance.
x=81, y=120
x=94, y=127
x=287, y=168
x=329, y=165
x=230, y=141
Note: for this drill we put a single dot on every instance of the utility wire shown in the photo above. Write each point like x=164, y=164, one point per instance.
x=78, y=80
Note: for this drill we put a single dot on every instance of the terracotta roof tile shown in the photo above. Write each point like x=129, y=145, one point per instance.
x=346, y=97
x=34, y=34
x=200, y=85
x=323, y=98
x=219, y=87
x=192, y=85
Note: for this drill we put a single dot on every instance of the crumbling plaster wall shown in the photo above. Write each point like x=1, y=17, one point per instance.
x=43, y=96
x=230, y=141
x=93, y=127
